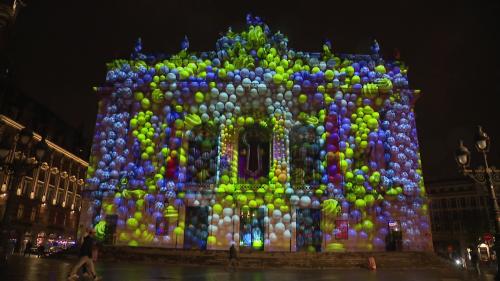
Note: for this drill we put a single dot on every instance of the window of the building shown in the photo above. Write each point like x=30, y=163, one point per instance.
x=77, y=202
x=444, y=204
x=461, y=202
x=26, y=186
x=453, y=202
x=473, y=202
x=60, y=196
x=202, y=155
x=33, y=214
x=305, y=156
x=20, y=211
x=69, y=198
x=40, y=190
x=254, y=151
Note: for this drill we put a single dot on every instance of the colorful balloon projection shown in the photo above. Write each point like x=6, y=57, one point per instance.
x=259, y=145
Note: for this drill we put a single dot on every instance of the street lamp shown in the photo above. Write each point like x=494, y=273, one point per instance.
x=483, y=175
x=17, y=159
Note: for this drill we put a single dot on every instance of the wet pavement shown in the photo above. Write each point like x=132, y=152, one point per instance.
x=24, y=268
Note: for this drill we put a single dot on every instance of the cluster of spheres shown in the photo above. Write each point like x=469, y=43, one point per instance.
x=259, y=145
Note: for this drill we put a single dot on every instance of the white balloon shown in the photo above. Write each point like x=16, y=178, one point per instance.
x=212, y=229
x=305, y=201
x=227, y=212
x=279, y=228
x=230, y=89
x=266, y=220
x=253, y=93
x=166, y=239
x=215, y=218
x=276, y=214
x=240, y=90
x=214, y=92
x=223, y=97
x=236, y=219
x=287, y=218
x=273, y=237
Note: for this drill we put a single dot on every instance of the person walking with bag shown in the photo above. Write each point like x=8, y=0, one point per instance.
x=86, y=258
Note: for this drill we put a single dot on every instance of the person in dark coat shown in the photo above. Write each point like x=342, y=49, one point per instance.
x=233, y=258
x=85, y=257
x=40, y=251
x=27, y=250
x=474, y=260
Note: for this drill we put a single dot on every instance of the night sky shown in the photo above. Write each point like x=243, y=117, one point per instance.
x=58, y=51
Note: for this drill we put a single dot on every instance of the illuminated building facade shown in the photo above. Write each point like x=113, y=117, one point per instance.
x=259, y=145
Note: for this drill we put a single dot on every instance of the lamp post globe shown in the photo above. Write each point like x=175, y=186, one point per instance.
x=462, y=155
x=482, y=140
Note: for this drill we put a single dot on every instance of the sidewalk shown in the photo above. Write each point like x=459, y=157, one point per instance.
x=24, y=268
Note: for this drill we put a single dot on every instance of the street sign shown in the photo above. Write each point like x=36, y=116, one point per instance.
x=488, y=237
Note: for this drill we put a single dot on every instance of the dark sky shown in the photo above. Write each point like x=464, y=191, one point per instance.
x=59, y=50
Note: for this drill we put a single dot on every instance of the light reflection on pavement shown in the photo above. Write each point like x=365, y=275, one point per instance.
x=20, y=268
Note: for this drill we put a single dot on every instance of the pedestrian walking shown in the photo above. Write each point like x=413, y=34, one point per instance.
x=233, y=258
x=474, y=260
x=86, y=257
x=40, y=251
x=27, y=249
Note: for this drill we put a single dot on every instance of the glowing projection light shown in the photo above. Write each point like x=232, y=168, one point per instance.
x=254, y=142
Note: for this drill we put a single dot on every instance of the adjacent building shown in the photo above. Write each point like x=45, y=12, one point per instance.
x=461, y=215
x=48, y=201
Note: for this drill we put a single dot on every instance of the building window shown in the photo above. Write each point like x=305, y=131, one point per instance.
x=461, y=203
x=444, y=203
x=26, y=186
x=202, y=155
x=33, y=214
x=50, y=194
x=473, y=202
x=254, y=154
x=69, y=199
x=453, y=202
x=39, y=191
x=20, y=211
x=305, y=156
x=60, y=195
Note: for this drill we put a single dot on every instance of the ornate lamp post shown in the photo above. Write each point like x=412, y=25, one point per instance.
x=486, y=174
x=17, y=159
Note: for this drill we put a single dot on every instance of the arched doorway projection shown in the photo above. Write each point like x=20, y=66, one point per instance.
x=254, y=151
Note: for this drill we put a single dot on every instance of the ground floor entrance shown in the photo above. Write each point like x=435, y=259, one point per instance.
x=196, y=233
x=252, y=229
x=309, y=235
